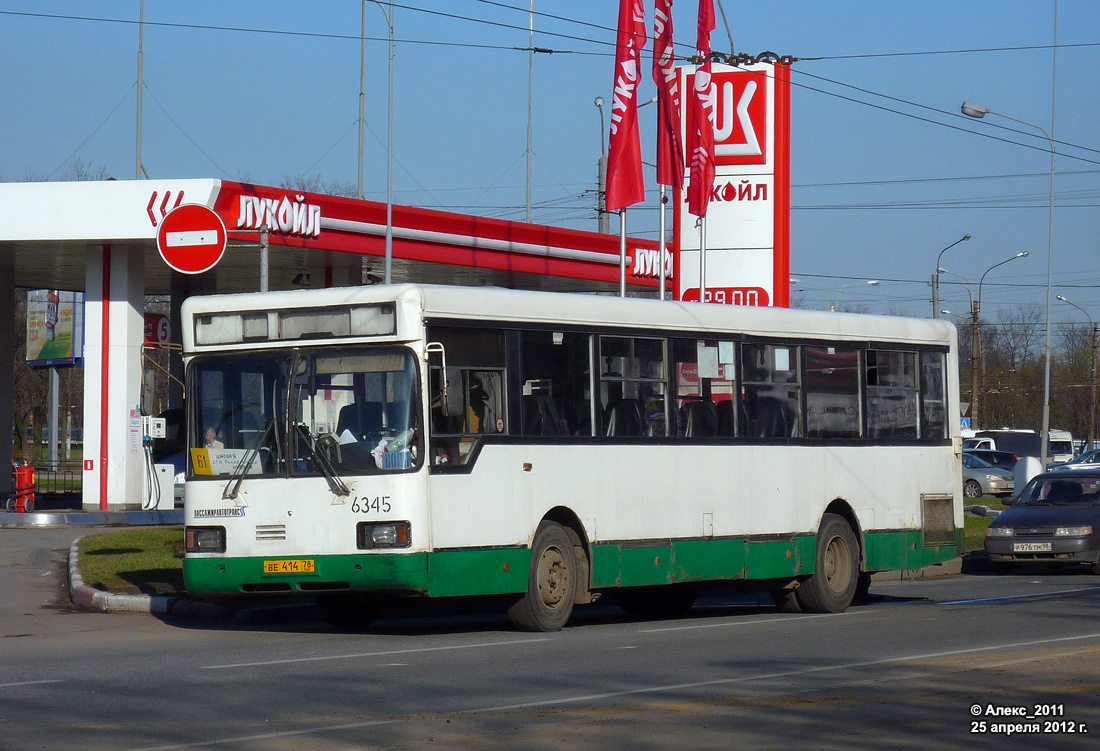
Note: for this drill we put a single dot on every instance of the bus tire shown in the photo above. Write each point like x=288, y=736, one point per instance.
x=833, y=584
x=551, y=583
x=786, y=600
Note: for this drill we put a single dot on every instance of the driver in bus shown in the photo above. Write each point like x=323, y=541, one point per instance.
x=212, y=441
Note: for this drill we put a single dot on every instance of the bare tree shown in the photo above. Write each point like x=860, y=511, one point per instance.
x=317, y=184
x=1018, y=333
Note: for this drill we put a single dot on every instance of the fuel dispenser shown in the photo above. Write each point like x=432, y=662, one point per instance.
x=158, y=480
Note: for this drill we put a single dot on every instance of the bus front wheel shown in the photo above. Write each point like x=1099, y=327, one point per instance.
x=833, y=584
x=551, y=583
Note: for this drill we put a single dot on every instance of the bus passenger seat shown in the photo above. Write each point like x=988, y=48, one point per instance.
x=361, y=418
x=625, y=417
x=771, y=418
x=541, y=417
x=725, y=417
x=701, y=418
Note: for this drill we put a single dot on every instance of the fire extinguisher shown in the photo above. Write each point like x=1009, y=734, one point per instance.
x=23, y=479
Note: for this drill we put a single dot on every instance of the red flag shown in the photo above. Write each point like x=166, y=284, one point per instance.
x=625, y=185
x=701, y=138
x=670, y=151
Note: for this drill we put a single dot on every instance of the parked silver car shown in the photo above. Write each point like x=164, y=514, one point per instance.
x=1087, y=460
x=982, y=478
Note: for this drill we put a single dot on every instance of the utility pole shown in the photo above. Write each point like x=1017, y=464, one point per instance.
x=530, y=95
x=1092, y=418
x=976, y=373
x=603, y=220
x=140, y=85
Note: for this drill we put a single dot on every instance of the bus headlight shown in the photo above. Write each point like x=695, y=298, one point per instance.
x=1084, y=531
x=372, y=535
x=204, y=539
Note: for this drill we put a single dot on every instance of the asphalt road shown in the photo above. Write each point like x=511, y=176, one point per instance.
x=908, y=670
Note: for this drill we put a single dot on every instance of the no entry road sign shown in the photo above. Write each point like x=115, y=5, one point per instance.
x=191, y=239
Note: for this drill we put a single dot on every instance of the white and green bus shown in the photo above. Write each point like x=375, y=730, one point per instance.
x=363, y=443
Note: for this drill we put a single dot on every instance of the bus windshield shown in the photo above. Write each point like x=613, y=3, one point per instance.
x=304, y=413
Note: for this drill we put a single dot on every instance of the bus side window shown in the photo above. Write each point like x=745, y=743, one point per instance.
x=633, y=379
x=891, y=394
x=554, y=380
x=485, y=402
x=770, y=391
x=703, y=374
x=933, y=395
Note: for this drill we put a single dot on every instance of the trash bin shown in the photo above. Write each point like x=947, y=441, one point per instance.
x=23, y=480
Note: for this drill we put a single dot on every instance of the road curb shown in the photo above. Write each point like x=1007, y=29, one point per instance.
x=96, y=599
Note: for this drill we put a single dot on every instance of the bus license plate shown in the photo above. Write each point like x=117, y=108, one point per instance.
x=290, y=566
x=1031, y=547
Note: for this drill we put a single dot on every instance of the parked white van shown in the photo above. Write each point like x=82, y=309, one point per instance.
x=1060, y=446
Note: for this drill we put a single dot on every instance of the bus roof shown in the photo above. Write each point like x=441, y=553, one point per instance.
x=443, y=302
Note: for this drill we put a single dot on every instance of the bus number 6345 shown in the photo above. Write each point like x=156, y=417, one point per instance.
x=379, y=504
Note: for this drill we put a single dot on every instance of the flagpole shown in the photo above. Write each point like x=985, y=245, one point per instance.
x=622, y=252
x=661, y=244
x=702, y=259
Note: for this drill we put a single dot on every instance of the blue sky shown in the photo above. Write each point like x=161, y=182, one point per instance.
x=885, y=170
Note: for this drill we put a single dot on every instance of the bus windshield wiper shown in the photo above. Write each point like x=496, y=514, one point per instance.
x=335, y=483
x=234, y=485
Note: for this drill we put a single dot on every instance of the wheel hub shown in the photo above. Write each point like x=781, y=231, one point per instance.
x=553, y=577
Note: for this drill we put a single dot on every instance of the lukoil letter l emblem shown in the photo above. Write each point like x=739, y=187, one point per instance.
x=741, y=117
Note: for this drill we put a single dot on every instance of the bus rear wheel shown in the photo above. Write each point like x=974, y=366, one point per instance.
x=551, y=583
x=833, y=584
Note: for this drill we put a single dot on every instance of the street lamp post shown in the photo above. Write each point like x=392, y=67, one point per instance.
x=601, y=176
x=812, y=284
x=936, y=277
x=836, y=299
x=388, y=274
x=1093, y=343
x=974, y=346
x=970, y=109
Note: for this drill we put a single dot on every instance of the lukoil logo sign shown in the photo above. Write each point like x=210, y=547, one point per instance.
x=740, y=116
x=283, y=216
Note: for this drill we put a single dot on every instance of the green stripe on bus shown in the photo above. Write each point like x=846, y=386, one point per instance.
x=407, y=572
x=495, y=571
x=454, y=573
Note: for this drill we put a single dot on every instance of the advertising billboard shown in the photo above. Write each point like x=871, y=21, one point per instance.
x=55, y=327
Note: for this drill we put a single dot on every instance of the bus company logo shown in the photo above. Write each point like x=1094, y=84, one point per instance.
x=283, y=216
x=741, y=111
x=218, y=513
x=752, y=296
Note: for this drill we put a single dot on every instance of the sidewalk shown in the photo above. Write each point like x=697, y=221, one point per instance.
x=65, y=511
